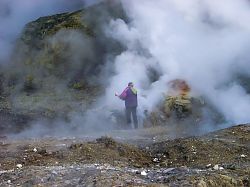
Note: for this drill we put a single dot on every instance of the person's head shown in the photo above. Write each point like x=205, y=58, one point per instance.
x=130, y=84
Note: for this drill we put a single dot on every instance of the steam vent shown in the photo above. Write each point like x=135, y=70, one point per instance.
x=125, y=93
x=178, y=99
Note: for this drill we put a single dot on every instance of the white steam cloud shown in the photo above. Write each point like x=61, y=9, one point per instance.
x=205, y=42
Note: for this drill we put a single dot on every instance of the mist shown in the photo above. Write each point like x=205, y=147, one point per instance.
x=203, y=42
x=80, y=56
x=14, y=15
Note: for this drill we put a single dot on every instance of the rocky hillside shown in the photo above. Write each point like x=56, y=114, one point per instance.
x=36, y=31
x=56, y=65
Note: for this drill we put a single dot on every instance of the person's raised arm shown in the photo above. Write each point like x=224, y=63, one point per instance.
x=123, y=95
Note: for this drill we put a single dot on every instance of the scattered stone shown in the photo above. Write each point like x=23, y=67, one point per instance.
x=134, y=171
x=208, y=166
x=144, y=173
x=19, y=166
x=216, y=167
x=155, y=160
x=35, y=150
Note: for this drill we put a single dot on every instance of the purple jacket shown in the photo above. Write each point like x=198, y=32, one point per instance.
x=130, y=97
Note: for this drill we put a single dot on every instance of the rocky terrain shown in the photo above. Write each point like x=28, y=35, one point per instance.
x=56, y=67
x=220, y=158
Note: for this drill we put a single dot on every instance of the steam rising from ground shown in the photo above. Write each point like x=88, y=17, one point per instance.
x=203, y=42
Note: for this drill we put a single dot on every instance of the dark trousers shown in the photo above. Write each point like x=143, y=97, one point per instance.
x=129, y=111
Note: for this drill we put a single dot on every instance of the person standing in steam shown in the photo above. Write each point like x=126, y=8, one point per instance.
x=129, y=95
